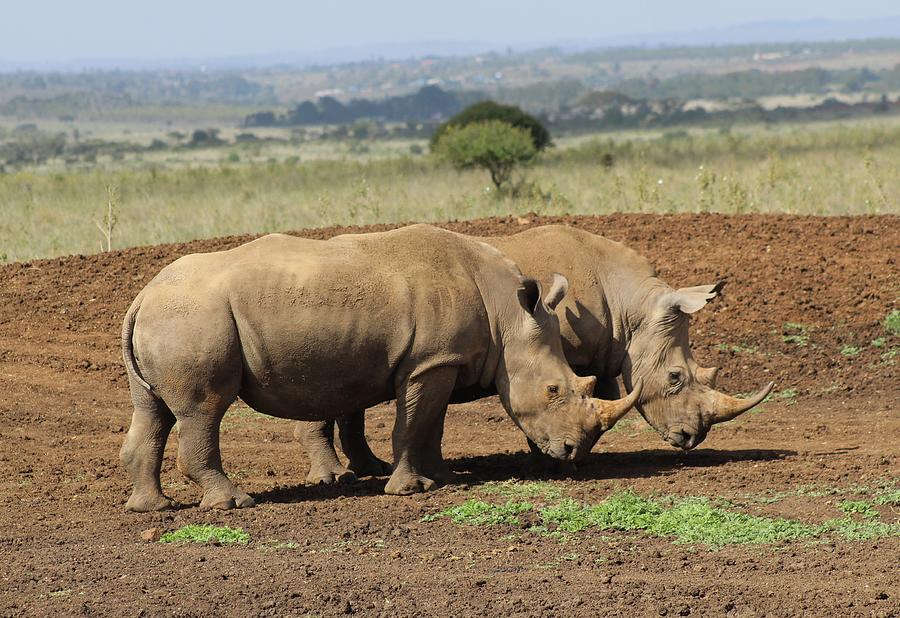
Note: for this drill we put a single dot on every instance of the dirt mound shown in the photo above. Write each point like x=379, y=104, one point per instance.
x=804, y=305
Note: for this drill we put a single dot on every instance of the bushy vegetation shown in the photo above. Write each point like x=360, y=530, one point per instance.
x=487, y=111
x=493, y=145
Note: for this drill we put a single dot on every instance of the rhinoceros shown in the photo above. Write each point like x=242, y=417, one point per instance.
x=619, y=318
x=312, y=330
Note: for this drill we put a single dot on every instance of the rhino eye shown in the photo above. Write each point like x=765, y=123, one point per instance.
x=553, y=389
x=674, y=378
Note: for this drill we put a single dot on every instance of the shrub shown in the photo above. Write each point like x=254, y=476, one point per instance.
x=487, y=111
x=493, y=145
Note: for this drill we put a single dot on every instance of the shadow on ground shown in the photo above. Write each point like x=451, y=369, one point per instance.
x=473, y=471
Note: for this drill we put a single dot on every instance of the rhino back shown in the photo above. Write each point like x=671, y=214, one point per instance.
x=321, y=327
x=601, y=274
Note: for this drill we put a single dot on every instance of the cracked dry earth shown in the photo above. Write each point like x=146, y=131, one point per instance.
x=68, y=547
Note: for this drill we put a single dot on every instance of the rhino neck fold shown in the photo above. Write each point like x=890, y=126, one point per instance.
x=496, y=297
x=631, y=312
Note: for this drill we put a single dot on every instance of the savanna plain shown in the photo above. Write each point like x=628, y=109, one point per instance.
x=790, y=509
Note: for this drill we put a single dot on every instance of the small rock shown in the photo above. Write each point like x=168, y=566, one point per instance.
x=151, y=535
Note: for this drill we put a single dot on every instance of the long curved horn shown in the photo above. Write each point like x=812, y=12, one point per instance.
x=611, y=411
x=707, y=376
x=727, y=407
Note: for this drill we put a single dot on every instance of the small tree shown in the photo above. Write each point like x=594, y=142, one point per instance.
x=493, y=145
x=489, y=110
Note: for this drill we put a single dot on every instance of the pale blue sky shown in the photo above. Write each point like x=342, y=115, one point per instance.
x=66, y=30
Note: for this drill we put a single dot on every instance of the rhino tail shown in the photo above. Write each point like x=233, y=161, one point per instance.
x=128, y=343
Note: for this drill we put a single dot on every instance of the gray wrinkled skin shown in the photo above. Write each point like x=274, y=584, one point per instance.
x=311, y=330
x=618, y=318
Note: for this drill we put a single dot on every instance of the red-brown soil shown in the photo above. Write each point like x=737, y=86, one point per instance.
x=67, y=546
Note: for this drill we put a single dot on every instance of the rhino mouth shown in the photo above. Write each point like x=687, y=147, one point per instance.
x=564, y=450
x=683, y=439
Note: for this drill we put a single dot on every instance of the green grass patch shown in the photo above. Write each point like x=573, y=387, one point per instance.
x=887, y=496
x=890, y=354
x=689, y=520
x=478, y=513
x=879, y=343
x=516, y=489
x=865, y=530
x=692, y=520
x=892, y=322
x=204, y=533
x=850, y=350
x=795, y=334
x=858, y=507
x=789, y=396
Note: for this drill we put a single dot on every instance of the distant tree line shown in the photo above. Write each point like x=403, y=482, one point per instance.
x=605, y=110
x=429, y=104
x=755, y=84
x=56, y=94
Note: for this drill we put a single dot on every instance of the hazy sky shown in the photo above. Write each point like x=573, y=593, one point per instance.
x=63, y=30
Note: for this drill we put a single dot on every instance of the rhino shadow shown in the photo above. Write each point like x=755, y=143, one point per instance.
x=625, y=465
x=285, y=494
x=480, y=469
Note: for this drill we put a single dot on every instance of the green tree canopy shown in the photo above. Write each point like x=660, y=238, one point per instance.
x=489, y=110
x=493, y=145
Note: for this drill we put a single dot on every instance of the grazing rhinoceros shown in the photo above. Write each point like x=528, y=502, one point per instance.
x=311, y=330
x=619, y=318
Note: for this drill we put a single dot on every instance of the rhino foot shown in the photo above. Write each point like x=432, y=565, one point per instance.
x=224, y=501
x=371, y=467
x=406, y=484
x=330, y=476
x=146, y=503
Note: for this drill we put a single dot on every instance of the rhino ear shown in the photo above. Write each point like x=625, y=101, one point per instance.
x=530, y=294
x=558, y=288
x=690, y=300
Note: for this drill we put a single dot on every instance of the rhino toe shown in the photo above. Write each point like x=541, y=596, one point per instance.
x=409, y=484
x=371, y=467
x=330, y=477
x=141, y=503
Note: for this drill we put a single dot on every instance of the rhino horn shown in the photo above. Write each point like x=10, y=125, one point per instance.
x=585, y=386
x=727, y=407
x=707, y=376
x=611, y=411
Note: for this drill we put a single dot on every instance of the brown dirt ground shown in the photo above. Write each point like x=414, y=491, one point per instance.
x=67, y=546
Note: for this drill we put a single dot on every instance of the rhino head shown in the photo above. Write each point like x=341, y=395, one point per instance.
x=679, y=398
x=547, y=400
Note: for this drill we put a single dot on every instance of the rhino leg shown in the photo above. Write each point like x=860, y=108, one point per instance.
x=434, y=465
x=142, y=452
x=421, y=404
x=325, y=468
x=362, y=461
x=199, y=457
